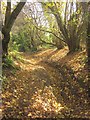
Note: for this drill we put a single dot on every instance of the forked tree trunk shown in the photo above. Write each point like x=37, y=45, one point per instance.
x=9, y=21
x=70, y=39
x=6, y=31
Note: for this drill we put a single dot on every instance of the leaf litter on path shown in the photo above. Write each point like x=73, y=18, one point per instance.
x=43, y=87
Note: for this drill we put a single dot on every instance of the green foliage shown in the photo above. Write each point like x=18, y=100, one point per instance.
x=13, y=43
x=24, y=41
x=8, y=61
x=19, y=42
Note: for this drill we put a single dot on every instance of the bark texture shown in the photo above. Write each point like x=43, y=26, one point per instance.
x=9, y=21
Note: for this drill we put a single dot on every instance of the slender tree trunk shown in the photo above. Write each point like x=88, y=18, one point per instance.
x=72, y=41
x=34, y=47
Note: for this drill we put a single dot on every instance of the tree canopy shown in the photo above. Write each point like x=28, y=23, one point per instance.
x=46, y=56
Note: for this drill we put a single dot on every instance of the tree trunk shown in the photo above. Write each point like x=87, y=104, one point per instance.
x=70, y=37
x=34, y=47
x=9, y=21
x=73, y=45
x=5, y=42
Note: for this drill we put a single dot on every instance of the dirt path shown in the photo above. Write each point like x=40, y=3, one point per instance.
x=43, y=87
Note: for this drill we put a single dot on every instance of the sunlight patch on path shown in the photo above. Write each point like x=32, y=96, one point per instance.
x=59, y=55
x=28, y=66
x=43, y=87
x=45, y=104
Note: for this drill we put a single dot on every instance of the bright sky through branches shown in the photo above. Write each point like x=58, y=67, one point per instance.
x=47, y=0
